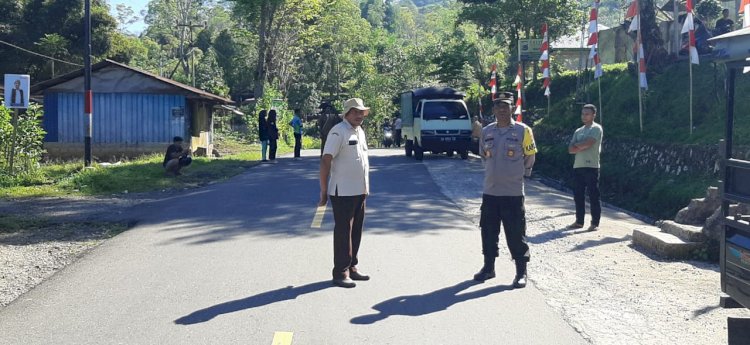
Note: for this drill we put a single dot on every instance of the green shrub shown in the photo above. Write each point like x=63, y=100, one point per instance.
x=23, y=143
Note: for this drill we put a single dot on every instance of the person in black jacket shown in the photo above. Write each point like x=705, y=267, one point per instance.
x=273, y=134
x=263, y=134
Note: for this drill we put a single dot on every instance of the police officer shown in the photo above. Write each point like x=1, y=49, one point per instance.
x=508, y=150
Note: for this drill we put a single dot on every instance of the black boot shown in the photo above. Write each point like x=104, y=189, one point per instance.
x=487, y=271
x=520, y=280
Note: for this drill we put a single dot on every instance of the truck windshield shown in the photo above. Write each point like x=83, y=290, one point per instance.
x=444, y=111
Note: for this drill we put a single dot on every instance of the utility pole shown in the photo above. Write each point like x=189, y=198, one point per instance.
x=191, y=26
x=88, y=101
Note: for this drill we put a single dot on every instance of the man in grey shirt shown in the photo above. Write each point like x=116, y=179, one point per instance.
x=586, y=145
x=508, y=150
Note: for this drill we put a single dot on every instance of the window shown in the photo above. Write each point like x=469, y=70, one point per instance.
x=446, y=110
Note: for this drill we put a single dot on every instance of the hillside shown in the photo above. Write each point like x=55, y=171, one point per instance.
x=630, y=177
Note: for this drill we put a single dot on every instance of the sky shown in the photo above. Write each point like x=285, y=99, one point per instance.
x=137, y=5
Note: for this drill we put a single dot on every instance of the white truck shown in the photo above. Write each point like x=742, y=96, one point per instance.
x=435, y=119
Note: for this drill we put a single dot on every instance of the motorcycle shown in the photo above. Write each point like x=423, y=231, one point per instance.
x=387, y=136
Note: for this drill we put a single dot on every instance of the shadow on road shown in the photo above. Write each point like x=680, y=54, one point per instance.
x=259, y=300
x=601, y=242
x=280, y=200
x=555, y=235
x=417, y=305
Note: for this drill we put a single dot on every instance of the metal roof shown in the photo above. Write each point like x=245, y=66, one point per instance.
x=198, y=93
x=732, y=47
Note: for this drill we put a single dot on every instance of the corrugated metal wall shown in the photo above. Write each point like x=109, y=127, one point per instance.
x=119, y=117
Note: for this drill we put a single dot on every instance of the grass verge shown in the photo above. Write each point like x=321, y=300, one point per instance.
x=140, y=175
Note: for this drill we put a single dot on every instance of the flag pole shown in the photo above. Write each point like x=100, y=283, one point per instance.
x=691, y=95
x=601, y=110
x=640, y=47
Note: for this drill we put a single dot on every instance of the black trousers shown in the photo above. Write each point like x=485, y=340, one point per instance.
x=272, y=149
x=297, y=144
x=511, y=213
x=587, y=179
x=397, y=138
x=349, y=218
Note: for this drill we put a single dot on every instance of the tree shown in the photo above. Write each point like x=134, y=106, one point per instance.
x=261, y=13
x=511, y=20
x=125, y=16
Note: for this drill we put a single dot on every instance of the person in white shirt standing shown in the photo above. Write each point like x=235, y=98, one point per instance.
x=344, y=177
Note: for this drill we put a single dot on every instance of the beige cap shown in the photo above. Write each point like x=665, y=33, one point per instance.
x=355, y=103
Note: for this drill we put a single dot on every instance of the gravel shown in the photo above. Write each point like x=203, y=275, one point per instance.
x=609, y=291
x=61, y=230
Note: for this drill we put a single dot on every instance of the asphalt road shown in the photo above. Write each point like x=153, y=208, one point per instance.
x=237, y=262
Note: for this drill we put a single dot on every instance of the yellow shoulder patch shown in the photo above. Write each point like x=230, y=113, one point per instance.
x=529, y=145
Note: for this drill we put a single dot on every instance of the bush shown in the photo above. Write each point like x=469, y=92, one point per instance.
x=24, y=143
x=310, y=142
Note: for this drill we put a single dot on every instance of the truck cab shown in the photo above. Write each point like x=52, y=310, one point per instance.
x=435, y=120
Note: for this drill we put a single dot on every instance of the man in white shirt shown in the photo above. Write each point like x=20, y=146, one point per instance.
x=346, y=163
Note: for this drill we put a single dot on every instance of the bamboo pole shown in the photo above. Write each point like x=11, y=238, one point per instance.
x=601, y=110
x=690, y=63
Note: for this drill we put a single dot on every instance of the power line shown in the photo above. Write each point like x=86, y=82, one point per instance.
x=38, y=54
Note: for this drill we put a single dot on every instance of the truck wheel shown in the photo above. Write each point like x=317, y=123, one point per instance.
x=408, y=146
x=449, y=153
x=418, y=152
x=464, y=154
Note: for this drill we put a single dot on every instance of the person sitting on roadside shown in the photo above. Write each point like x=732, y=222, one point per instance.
x=176, y=157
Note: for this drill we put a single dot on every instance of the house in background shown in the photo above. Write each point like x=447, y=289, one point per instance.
x=134, y=113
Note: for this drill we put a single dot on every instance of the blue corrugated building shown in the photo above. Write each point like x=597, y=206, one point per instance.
x=134, y=112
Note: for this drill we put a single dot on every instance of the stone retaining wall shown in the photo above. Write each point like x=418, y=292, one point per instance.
x=674, y=159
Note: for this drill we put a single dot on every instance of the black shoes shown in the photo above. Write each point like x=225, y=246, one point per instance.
x=344, y=283
x=488, y=270
x=354, y=275
x=519, y=281
x=484, y=274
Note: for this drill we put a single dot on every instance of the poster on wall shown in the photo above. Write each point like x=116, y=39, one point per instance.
x=17, y=87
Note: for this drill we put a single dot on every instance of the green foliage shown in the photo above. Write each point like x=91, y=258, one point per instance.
x=23, y=143
x=510, y=21
x=708, y=10
x=53, y=28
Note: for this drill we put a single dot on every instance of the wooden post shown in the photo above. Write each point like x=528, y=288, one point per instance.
x=13, y=141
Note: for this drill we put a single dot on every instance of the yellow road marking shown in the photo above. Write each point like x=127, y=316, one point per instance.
x=282, y=338
x=318, y=219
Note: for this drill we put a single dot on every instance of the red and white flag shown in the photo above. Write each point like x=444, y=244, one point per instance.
x=642, y=82
x=493, y=81
x=635, y=14
x=545, y=60
x=594, y=39
x=745, y=9
x=689, y=28
x=519, y=102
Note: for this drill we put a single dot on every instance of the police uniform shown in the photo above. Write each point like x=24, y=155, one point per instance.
x=508, y=155
x=348, y=188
